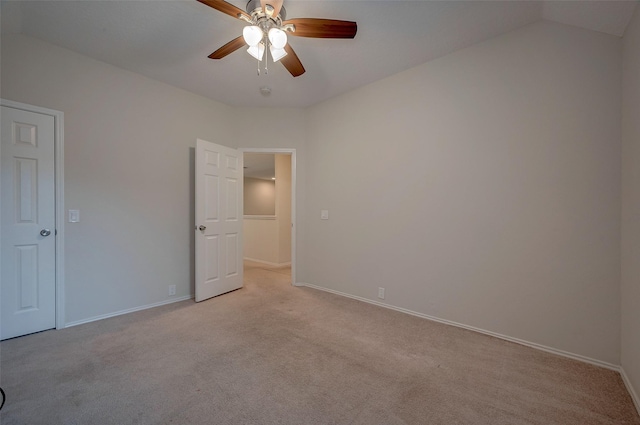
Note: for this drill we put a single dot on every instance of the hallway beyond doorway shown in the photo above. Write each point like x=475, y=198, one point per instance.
x=255, y=271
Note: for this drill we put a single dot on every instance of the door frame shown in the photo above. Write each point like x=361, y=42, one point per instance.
x=294, y=224
x=58, y=154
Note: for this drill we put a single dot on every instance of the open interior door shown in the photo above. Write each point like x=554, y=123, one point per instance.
x=219, y=182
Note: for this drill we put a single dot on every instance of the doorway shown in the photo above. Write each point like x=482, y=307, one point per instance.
x=32, y=216
x=269, y=209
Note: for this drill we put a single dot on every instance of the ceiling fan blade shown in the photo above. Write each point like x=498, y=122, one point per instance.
x=322, y=28
x=276, y=4
x=228, y=48
x=291, y=62
x=224, y=7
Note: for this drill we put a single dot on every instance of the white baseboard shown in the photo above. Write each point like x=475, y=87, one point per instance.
x=472, y=328
x=632, y=391
x=129, y=310
x=268, y=263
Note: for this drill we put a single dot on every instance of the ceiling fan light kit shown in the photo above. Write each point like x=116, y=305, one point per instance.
x=277, y=38
x=277, y=54
x=269, y=27
x=256, y=51
x=252, y=35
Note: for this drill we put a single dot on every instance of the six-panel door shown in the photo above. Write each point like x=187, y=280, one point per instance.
x=28, y=287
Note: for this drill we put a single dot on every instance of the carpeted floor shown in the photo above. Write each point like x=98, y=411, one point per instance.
x=271, y=353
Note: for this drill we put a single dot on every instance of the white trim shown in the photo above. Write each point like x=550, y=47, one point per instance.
x=129, y=310
x=472, y=328
x=294, y=223
x=268, y=263
x=259, y=217
x=58, y=119
x=632, y=391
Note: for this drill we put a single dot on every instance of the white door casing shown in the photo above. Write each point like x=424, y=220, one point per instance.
x=28, y=288
x=218, y=210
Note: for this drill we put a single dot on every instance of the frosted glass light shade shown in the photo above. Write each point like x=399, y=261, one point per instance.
x=278, y=38
x=252, y=35
x=256, y=51
x=277, y=54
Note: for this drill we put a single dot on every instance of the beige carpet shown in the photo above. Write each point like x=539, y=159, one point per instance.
x=274, y=354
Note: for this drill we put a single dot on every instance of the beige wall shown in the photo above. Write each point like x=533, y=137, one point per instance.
x=481, y=188
x=631, y=204
x=129, y=155
x=259, y=197
x=283, y=207
x=261, y=239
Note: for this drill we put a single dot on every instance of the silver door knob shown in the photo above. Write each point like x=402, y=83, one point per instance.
x=202, y=228
x=45, y=232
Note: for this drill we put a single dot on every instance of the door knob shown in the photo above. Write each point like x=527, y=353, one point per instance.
x=202, y=228
x=45, y=232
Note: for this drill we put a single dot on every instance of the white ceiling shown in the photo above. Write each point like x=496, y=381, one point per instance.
x=170, y=40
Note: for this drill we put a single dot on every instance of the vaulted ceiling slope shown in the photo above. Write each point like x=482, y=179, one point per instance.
x=170, y=40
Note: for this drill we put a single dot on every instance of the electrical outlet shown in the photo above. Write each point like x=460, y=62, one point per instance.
x=381, y=293
x=172, y=289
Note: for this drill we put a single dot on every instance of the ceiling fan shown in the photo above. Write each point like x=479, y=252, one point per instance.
x=268, y=29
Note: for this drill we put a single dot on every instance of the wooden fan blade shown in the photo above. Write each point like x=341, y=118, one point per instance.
x=224, y=7
x=291, y=62
x=276, y=4
x=322, y=28
x=228, y=48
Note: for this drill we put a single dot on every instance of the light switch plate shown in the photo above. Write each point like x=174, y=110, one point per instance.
x=324, y=215
x=74, y=216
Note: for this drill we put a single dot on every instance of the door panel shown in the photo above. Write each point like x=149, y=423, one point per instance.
x=28, y=287
x=218, y=220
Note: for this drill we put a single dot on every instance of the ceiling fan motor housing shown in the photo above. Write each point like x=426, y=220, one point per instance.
x=255, y=7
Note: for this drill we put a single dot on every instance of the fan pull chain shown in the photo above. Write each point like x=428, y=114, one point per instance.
x=266, y=58
x=258, y=68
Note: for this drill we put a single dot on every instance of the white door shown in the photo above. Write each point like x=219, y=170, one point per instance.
x=219, y=177
x=28, y=288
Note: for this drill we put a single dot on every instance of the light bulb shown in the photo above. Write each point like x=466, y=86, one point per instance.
x=278, y=38
x=252, y=35
x=256, y=51
x=277, y=54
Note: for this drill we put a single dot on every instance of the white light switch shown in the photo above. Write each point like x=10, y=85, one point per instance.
x=74, y=216
x=324, y=215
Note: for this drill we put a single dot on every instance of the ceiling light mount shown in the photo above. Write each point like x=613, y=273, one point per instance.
x=265, y=91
